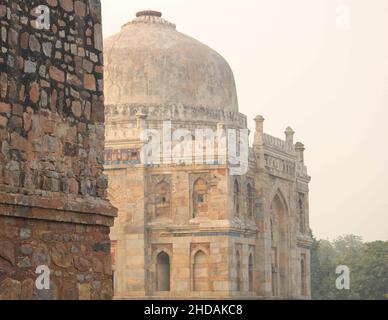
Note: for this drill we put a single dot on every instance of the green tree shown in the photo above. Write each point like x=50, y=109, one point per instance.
x=368, y=264
x=322, y=266
x=371, y=271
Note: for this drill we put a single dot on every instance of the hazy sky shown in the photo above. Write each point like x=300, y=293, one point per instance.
x=300, y=63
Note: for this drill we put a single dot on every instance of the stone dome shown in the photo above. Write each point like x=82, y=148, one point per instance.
x=150, y=63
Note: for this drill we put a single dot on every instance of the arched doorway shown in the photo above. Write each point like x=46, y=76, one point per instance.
x=163, y=272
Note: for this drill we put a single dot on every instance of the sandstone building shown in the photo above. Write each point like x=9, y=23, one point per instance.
x=53, y=207
x=192, y=229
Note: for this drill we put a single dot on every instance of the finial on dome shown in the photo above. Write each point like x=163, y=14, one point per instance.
x=149, y=13
x=150, y=17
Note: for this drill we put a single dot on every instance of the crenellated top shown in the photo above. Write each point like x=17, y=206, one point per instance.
x=278, y=144
x=281, y=157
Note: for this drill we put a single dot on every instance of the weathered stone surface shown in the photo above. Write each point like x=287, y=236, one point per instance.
x=3, y=10
x=34, y=92
x=27, y=289
x=89, y=82
x=76, y=108
x=26, y=249
x=24, y=40
x=67, y=5
x=84, y=291
x=5, y=107
x=7, y=251
x=70, y=290
x=80, y=8
x=24, y=263
x=41, y=256
x=98, y=43
x=34, y=44
x=47, y=294
x=98, y=265
x=49, y=168
x=10, y=289
x=57, y=74
x=25, y=234
x=29, y=67
x=81, y=264
x=47, y=48
x=61, y=256
x=3, y=122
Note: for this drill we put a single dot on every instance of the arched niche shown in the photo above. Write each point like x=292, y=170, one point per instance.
x=201, y=271
x=163, y=272
x=280, y=245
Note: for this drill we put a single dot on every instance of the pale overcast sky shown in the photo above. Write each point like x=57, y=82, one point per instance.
x=295, y=65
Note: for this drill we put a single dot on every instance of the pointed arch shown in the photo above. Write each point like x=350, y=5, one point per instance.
x=279, y=214
x=278, y=195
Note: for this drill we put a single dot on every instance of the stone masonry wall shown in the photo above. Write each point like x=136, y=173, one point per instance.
x=78, y=255
x=51, y=99
x=53, y=207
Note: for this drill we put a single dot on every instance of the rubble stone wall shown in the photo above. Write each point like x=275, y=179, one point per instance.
x=78, y=255
x=53, y=207
x=51, y=100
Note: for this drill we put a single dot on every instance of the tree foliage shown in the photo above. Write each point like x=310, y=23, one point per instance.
x=368, y=264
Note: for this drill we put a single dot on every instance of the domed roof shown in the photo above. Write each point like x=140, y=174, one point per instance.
x=150, y=63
